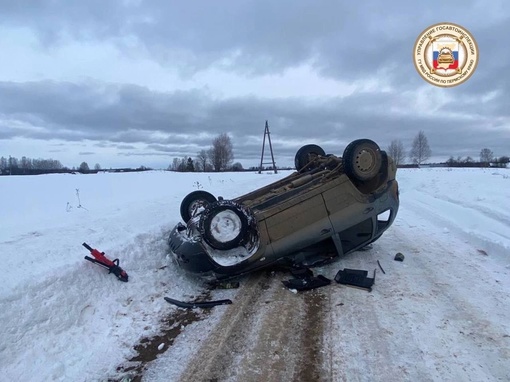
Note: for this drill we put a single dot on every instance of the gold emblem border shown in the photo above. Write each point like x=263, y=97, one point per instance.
x=460, y=40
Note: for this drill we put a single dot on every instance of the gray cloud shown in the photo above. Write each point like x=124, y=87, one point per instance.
x=256, y=37
x=352, y=42
x=125, y=147
x=183, y=123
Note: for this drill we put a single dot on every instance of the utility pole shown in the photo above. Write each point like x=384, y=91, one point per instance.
x=266, y=132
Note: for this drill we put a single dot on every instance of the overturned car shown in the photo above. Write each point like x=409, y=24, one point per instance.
x=330, y=206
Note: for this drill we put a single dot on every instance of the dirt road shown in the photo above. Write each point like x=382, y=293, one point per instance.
x=271, y=334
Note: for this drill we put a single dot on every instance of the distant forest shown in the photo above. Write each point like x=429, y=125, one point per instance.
x=29, y=166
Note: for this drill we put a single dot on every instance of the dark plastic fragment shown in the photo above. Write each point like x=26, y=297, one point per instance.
x=301, y=273
x=380, y=266
x=399, y=257
x=355, y=277
x=307, y=283
x=196, y=304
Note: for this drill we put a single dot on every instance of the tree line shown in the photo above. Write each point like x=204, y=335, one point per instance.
x=30, y=166
x=420, y=152
x=25, y=165
x=218, y=157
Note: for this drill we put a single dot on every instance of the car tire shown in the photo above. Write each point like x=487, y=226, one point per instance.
x=305, y=154
x=195, y=200
x=224, y=225
x=362, y=159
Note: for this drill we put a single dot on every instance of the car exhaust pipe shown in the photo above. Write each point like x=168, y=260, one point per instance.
x=307, y=178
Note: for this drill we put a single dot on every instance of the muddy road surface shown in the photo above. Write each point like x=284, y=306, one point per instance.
x=271, y=334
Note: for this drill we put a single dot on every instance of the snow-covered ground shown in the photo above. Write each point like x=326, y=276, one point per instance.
x=63, y=318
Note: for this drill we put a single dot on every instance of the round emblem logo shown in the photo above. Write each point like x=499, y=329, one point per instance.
x=445, y=54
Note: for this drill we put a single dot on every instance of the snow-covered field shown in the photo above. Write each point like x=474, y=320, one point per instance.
x=443, y=314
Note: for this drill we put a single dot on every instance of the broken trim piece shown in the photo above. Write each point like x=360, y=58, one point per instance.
x=380, y=266
x=355, y=277
x=308, y=283
x=196, y=304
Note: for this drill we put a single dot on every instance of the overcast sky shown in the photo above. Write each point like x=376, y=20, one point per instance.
x=130, y=83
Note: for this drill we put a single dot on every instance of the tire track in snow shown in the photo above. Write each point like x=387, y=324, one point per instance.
x=268, y=334
x=481, y=228
x=460, y=331
x=361, y=348
x=498, y=216
x=426, y=319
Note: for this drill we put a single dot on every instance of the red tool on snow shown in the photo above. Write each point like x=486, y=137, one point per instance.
x=111, y=265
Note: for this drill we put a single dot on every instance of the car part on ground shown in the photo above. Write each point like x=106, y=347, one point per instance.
x=399, y=257
x=329, y=207
x=301, y=272
x=307, y=283
x=197, y=304
x=380, y=267
x=355, y=277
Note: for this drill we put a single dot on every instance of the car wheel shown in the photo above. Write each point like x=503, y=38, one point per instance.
x=306, y=154
x=194, y=203
x=224, y=225
x=362, y=159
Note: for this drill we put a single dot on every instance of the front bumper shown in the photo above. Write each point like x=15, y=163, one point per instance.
x=190, y=253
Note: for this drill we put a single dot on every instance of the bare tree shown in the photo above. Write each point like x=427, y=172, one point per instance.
x=97, y=167
x=221, y=153
x=397, y=152
x=174, y=166
x=84, y=167
x=25, y=163
x=201, y=161
x=13, y=162
x=486, y=156
x=183, y=164
x=420, y=151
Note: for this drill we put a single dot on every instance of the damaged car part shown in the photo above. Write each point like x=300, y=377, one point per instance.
x=380, y=267
x=197, y=304
x=399, y=257
x=307, y=283
x=340, y=203
x=355, y=277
